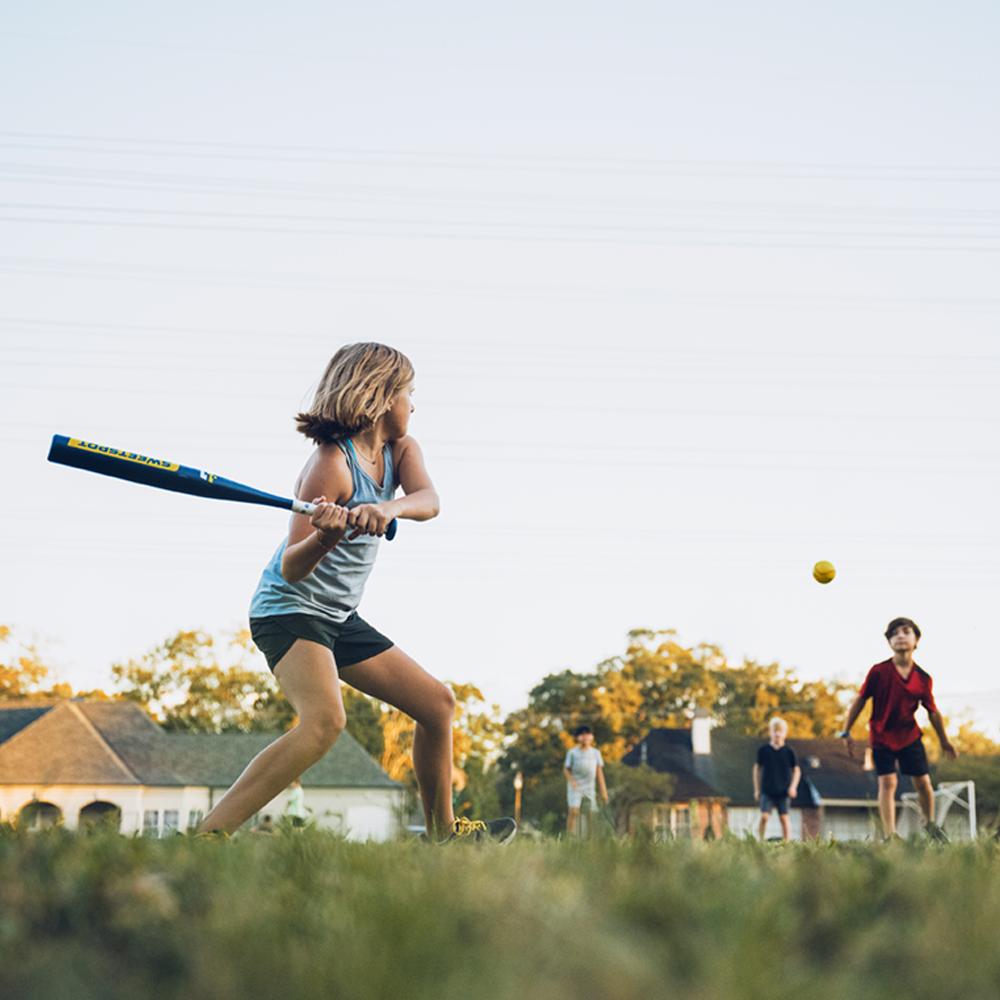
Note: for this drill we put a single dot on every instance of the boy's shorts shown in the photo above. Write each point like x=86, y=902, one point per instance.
x=350, y=641
x=912, y=759
x=576, y=794
x=769, y=802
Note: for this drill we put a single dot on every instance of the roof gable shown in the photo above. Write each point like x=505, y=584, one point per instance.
x=61, y=746
x=669, y=752
x=135, y=738
x=116, y=742
x=13, y=720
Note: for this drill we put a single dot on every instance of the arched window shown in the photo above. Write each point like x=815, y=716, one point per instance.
x=103, y=815
x=39, y=815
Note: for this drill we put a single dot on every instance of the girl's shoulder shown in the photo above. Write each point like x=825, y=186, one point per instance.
x=401, y=445
x=326, y=473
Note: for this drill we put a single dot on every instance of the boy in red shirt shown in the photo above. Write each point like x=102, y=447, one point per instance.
x=897, y=686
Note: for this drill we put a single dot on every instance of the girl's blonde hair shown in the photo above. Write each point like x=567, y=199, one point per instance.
x=357, y=388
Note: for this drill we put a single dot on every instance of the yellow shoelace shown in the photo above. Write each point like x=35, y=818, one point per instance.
x=463, y=827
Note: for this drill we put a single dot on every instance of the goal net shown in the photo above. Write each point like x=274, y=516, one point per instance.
x=954, y=810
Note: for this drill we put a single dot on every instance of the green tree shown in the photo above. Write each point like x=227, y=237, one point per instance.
x=629, y=787
x=753, y=692
x=657, y=682
x=364, y=720
x=387, y=734
x=985, y=772
x=194, y=682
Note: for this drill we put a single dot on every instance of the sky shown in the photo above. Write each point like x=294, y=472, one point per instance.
x=695, y=297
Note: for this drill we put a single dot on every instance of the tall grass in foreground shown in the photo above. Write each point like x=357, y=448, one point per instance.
x=311, y=916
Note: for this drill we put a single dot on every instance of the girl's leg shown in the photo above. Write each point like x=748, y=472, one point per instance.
x=308, y=678
x=397, y=679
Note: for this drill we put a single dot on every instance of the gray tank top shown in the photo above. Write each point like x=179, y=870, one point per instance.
x=333, y=589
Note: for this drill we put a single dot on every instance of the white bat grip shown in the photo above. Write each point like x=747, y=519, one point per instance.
x=302, y=507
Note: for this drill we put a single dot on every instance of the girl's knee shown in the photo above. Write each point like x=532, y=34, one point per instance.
x=438, y=711
x=322, y=727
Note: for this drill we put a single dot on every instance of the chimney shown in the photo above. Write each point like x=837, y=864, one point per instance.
x=701, y=733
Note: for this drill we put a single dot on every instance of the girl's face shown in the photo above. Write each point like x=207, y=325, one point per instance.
x=397, y=419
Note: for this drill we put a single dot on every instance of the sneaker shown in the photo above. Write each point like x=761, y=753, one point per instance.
x=212, y=835
x=496, y=831
x=934, y=832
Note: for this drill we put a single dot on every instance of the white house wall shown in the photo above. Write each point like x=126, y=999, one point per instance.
x=839, y=822
x=357, y=813
x=744, y=819
x=134, y=801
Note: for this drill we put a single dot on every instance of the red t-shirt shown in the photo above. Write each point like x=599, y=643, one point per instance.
x=894, y=702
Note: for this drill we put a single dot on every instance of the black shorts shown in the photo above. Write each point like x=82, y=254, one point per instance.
x=912, y=759
x=770, y=802
x=350, y=641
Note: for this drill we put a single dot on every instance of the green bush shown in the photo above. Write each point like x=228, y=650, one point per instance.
x=308, y=915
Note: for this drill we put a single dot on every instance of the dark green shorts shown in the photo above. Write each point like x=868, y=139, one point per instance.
x=350, y=641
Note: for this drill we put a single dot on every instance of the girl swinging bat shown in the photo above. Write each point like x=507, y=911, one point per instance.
x=303, y=615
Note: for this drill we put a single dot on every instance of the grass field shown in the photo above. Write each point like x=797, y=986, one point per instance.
x=308, y=915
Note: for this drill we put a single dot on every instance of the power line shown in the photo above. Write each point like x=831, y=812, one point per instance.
x=715, y=299
x=645, y=204
x=575, y=163
x=479, y=231
x=978, y=219
x=448, y=227
x=723, y=244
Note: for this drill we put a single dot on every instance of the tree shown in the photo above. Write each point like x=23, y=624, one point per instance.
x=387, y=734
x=658, y=682
x=970, y=742
x=192, y=682
x=629, y=787
x=478, y=741
x=364, y=720
x=754, y=692
x=985, y=772
x=22, y=670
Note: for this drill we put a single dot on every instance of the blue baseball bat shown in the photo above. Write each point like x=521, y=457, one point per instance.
x=164, y=475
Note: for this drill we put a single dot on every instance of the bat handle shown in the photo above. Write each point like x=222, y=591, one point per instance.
x=304, y=507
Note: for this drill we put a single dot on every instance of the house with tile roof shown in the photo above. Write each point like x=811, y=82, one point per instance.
x=76, y=762
x=714, y=788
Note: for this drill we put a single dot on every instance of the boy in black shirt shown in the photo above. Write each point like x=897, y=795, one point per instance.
x=776, y=778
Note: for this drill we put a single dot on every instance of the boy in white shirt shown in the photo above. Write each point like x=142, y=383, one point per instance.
x=584, y=770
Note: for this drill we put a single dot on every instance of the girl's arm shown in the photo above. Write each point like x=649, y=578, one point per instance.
x=328, y=478
x=420, y=501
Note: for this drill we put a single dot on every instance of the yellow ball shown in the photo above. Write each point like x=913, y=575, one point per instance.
x=823, y=572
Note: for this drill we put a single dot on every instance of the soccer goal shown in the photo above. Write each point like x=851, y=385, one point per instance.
x=954, y=810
